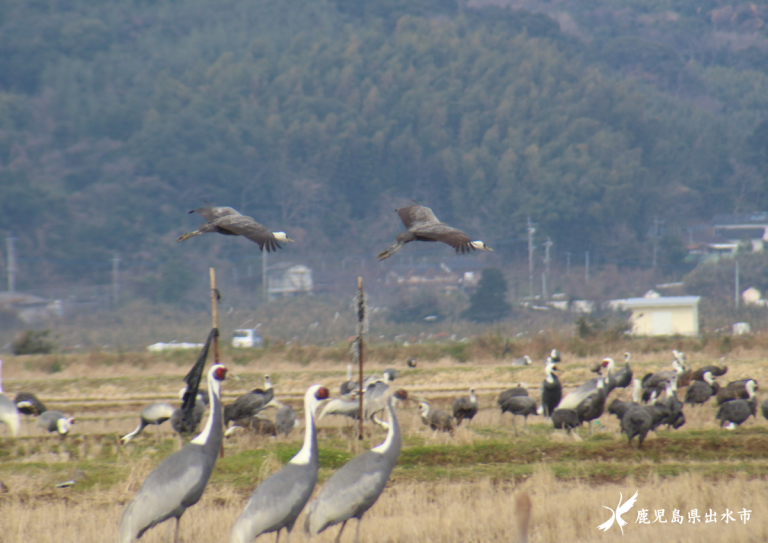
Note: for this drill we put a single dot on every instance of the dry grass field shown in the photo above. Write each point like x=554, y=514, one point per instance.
x=445, y=489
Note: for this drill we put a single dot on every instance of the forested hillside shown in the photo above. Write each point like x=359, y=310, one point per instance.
x=319, y=118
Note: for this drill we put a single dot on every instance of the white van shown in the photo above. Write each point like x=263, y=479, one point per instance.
x=246, y=338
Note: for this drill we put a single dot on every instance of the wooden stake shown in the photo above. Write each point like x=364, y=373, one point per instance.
x=215, y=317
x=360, y=320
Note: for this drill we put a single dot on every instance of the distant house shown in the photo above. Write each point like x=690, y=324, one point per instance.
x=663, y=315
x=29, y=308
x=289, y=280
x=743, y=227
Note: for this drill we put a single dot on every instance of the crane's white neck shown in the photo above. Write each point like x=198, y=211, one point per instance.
x=384, y=447
x=548, y=371
x=349, y=372
x=424, y=409
x=637, y=390
x=750, y=389
x=267, y=382
x=472, y=396
x=610, y=364
x=214, y=393
x=708, y=378
x=304, y=456
x=62, y=426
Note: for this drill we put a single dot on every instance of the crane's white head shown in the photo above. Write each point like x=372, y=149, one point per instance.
x=423, y=408
x=627, y=356
x=480, y=246
x=280, y=236
x=314, y=396
x=267, y=382
x=751, y=386
x=63, y=425
x=219, y=372
x=708, y=378
x=609, y=363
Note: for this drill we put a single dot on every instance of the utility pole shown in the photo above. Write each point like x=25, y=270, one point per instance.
x=531, y=231
x=736, y=285
x=115, y=279
x=586, y=266
x=547, y=246
x=655, y=237
x=11, y=263
x=567, y=263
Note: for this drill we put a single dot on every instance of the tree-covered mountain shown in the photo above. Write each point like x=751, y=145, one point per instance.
x=321, y=118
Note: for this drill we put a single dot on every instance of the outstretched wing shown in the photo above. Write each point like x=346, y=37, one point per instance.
x=607, y=524
x=442, y=232
x=211, y=213
x=247, y=227
x=620, y=510
x=415, y=215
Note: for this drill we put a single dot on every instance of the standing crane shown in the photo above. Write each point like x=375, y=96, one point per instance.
x=55, y=421
x=277, y=502
x=551, y=390
x=8, y=412
x=465, y=407
x=178, y=481
x=354, y=488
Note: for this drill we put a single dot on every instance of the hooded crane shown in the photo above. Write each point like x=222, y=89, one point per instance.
x=178, y=481
x=701, y=391
x=177, y=417
x=153, y=414
x=8, y=412
x=551, y=390
x=735, y=390
x=422, y=225
x=465, y=407
x=737, y=411
x=227, y=221
x=277, y=502
x=716, y=371
x=55, y=421
x=592, y=406
x=518, y=405
x=28, y=404
x=248, y=405
x=354, y=488
x=437, y=419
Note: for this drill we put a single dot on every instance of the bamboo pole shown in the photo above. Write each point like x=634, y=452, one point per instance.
x=360, y=320
x=215, y=319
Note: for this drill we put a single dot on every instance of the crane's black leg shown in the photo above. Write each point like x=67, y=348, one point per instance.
x=357, y=532
x=277, y=539
x=176, y=535
x=338, y=537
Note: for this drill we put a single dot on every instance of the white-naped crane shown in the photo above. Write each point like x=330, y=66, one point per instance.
x=9, y=414
x=735, y=412
x=28, y=404
x=277, y=502
x=154, y=414
x=523, y=361
x=249, y=404
x=465, y=407
x=55, y=421
x=374, y=400
x=356, y=486
x=285, y=419
x=575, y=397
x=422, y=225
x=436, y=419
x=178, y=482
x=551, y=390
x=701, y=390
x=227, y=221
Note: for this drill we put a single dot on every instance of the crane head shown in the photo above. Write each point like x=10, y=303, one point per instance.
x=401, y=394
x=322, y=393
x=219, y=372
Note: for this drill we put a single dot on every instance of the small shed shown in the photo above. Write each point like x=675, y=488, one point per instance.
x=665, y=315
x=291, y=281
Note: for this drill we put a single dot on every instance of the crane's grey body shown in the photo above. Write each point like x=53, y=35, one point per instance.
x=354, y=488
x=277, y=502
x=249, y=404
x=227, y=221
x=285, y=419
x=574, y=398
x=374, y=400
x=637, y=421
x=178, y=481
x=153, y=414
x=436, y=419
x=8, y=412
x=28, y=404
x=737, y=411
x=565, y=419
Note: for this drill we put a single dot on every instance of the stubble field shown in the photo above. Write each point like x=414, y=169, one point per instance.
x=445, y=489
